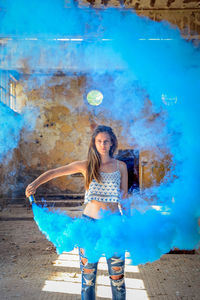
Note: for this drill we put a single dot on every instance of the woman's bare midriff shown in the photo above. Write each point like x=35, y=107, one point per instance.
x=96, y=209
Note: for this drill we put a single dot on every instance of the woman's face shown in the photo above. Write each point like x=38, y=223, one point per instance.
x=103, y=143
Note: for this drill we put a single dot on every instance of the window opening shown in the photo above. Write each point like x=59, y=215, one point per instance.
x=131, y=158
x=8, y=89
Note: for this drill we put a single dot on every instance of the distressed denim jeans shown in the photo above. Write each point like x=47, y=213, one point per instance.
x=89, y=272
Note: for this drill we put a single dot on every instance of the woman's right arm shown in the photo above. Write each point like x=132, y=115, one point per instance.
x=72, y=168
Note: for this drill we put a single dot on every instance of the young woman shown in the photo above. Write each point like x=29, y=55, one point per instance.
x=106, y=183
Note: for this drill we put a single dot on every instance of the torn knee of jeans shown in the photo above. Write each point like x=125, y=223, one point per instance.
x=117, y=269
x=118, y=283
x=117, y=277
x=115, y=260
x=82, y=251
x=88, y=271
x=84, y=261
x=88, y=282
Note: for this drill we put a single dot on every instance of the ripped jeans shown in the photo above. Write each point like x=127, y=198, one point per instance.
x=89, y=271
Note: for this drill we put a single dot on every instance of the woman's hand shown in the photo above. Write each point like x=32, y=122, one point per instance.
x=30, y=190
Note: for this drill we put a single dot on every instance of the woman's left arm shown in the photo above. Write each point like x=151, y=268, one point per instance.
x=125, y=205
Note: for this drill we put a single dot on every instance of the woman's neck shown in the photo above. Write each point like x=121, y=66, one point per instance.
x=105, y=159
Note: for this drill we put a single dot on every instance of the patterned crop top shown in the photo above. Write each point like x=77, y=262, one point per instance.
x=108, y=190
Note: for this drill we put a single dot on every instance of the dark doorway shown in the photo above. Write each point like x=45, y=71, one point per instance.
x=131, y=158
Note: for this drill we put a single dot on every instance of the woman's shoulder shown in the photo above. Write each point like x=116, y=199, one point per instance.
x=82, y=164
x=122, y=165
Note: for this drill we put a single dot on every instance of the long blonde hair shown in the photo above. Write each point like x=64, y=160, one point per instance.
x=94, y=158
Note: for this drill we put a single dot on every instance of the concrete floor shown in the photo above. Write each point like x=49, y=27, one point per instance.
x=31, y=269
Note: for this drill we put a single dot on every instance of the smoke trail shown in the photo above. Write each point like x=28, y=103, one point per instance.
x=120, y=43
x=11, y=125
x=147, y=236
x=99, y=237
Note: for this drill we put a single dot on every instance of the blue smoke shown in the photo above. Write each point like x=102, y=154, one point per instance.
x=146, y=235
x=143, y=60
x=11, y=124
x=14, y=126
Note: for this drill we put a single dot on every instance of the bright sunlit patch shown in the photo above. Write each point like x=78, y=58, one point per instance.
x=65, y=257
x=133, y=293
x=131, y=283
x=62, y=287
x=66, y=277
x=66, y=263
x=70, y=283
x=136, y=294
x=134, y=288
x=94, y=97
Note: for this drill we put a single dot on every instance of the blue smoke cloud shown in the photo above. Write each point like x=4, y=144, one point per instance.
x=166, y=68
x=11, y=124
x=146, y=235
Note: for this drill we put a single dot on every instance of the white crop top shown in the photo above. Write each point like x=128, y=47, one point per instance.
x=106, y=191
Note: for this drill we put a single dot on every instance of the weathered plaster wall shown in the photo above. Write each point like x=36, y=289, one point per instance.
x=144, y=4
x=61, y=130
x=188, y=21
